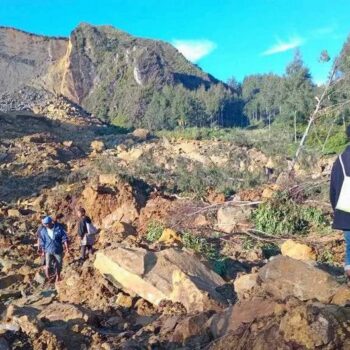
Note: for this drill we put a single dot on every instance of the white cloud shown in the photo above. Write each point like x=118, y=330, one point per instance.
x=194, y=50
x=282, y=46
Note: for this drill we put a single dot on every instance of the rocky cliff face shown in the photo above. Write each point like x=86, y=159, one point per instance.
x=105, y=70
x=27, y=59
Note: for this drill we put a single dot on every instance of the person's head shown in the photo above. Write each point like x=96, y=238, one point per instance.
x=81, y=212
x=348, y=132
x=48, y=222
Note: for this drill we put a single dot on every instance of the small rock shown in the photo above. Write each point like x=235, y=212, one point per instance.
x=65, y=312
x=201, y=221
x=98, y=146
x=106, y=346
x=342, y=296
x=141, y=134
x=297, y=250
x=122, y=148
x=124, y=300
x=229, y=218
x=244, y=284
x=169, y=236
x=108, y=179
x=39, y=277
x=68, y=144
x=15, y=213
x=190, y=327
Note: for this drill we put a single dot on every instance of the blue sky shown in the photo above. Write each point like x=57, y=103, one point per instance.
x=225, y=37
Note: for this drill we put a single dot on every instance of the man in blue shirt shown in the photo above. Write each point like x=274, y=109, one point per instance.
x=52, y=238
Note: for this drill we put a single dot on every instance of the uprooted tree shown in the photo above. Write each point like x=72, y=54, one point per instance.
x=332, y=98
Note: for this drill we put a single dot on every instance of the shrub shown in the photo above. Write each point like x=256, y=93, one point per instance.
x=111, y=130
x=199, y=245
x=281, y=215
x=326, y=257
x=268, y=249
x=154, y=230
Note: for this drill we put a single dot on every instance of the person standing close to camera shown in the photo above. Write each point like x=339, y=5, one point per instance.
x=340, y=198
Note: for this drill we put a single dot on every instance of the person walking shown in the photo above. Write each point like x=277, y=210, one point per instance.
x=52, y=238
x=340, y=199
x=87, y=232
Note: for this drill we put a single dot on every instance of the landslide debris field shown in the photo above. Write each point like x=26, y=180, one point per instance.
x=197, y=249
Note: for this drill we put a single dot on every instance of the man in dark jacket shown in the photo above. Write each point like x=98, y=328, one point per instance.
x=87, y=240
x=341, y=218
x=52, y=237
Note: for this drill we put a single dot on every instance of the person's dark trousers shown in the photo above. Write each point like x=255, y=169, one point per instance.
x=86, y=249
x=347, y=251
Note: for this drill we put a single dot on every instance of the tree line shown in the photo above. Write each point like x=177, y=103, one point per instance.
x=261, y=99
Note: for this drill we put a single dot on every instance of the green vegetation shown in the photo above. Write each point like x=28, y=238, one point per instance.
x=147, y=83
x=197, y=181
x=177, y=106
x=199, y=245
x=326, y=257
x=268, y=249
x=283, y=216
x=111, y=130
x=154, y=230
x=288, y=99
x=260, y=138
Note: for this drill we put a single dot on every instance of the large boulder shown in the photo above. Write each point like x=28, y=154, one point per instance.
x=284, y=277
x=170, y=274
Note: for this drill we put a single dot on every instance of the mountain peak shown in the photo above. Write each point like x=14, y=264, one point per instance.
x=107, y=71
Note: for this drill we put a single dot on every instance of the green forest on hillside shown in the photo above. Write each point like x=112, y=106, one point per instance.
x=280, y=106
